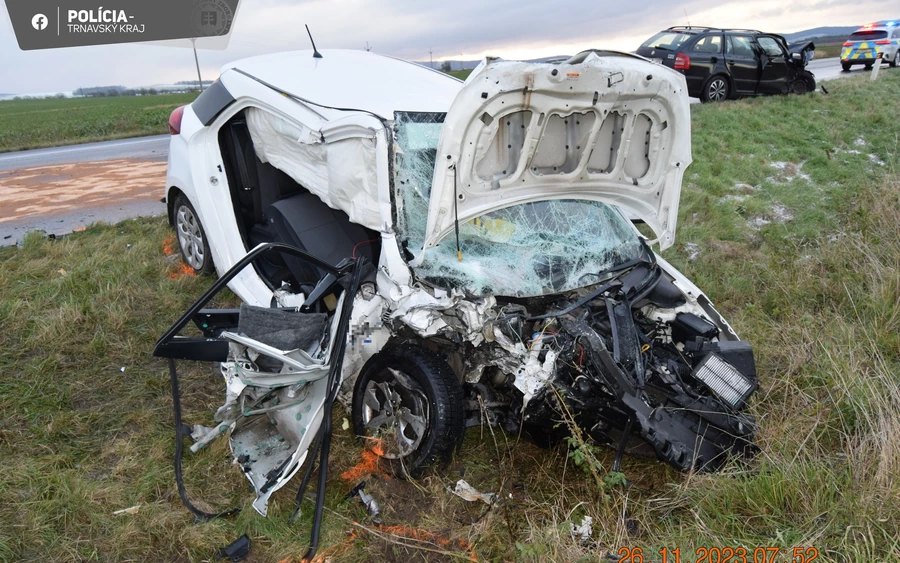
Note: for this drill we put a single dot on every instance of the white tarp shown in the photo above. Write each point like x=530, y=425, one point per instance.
x=342, y=173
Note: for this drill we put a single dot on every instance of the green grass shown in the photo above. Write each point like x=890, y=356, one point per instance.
x=32, y=124
x=828, y=51
x=818, y=295
x=461, y=74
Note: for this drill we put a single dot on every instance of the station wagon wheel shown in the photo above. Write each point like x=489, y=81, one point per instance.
x=191, y=237
x=716, y=89
x=408, y=407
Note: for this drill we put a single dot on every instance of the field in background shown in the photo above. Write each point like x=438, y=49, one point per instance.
x=828, y=51
x=461, y=74
x=33, y=124
x=788, y=220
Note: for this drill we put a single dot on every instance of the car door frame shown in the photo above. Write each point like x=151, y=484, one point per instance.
x=704, y=64
x=744, y=70
x=774, y=76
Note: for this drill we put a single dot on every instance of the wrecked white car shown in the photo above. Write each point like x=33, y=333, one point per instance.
x=437, y=254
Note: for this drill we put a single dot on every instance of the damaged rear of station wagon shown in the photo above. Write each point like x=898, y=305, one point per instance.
x=461, y=254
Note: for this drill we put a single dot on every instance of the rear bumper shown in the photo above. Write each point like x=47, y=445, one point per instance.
x=862, y=61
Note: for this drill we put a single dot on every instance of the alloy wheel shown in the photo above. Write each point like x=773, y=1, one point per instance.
x=717, y=90
x=190, y=237
x=396, y=412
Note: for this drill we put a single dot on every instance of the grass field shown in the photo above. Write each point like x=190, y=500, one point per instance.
x=827, y=51
x=788, y=220
x=33, y=124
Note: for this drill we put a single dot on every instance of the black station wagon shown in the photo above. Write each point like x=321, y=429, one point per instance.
x=730, y=63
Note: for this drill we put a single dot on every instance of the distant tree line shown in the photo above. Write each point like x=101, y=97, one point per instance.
x=114, y=91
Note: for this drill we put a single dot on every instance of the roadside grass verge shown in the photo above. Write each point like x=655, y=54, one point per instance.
x=34, y=124
x=788, y=220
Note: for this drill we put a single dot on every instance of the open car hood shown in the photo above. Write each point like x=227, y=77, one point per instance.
x=603, y=126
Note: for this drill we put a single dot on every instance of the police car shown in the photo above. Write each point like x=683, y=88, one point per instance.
x=865, y=45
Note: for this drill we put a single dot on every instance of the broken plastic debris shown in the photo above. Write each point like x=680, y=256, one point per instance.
x=122, y=369
x=371, y=506
x=467, y=492
x=582, y=532
x=238, y=550
x=345, y=424
x=132, y=510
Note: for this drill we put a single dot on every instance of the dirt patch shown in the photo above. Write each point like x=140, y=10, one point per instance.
x=59, y=189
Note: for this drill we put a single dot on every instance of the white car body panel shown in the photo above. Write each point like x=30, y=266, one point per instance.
x=523, y=132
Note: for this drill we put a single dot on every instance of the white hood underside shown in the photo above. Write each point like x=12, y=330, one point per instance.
x=613, y=128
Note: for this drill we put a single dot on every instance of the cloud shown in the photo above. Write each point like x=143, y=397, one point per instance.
x=410, y=29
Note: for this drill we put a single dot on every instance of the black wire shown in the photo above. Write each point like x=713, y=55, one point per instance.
x=592, y=295
x=307, y=474
x=456, y=214
x=179, y=452
x=334, y=381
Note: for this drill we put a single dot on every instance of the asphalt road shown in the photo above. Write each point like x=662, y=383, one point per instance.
x=144, y=148
x=828, y=69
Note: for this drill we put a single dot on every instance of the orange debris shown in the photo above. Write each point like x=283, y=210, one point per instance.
x=369, y=464
x=169, y=247
x=181, y=270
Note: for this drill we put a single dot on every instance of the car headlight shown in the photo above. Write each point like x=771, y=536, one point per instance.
x=724, y=380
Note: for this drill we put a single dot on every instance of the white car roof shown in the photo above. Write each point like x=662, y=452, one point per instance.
x=355, y=80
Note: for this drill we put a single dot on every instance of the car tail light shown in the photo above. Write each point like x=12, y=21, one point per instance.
x=883, y=42
x=175, y=120
x=682, y=62
x=848, y=43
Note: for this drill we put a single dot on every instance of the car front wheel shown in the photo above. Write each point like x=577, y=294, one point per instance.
x=191, y=237
x=896, y=62
x=803, y=84
x=716, y=89
x=408, y=406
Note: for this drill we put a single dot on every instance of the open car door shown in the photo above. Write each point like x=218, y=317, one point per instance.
x=602, y=126
x=282, y=370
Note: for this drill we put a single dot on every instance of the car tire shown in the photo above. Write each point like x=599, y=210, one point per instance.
x=716, y=89
x=410, y=399
x=191, y=237
x=896, y=61
x=804, y=84
x=846, y=66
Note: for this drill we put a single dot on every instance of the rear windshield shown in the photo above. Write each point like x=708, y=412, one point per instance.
x=868, y=35
x=668, y=40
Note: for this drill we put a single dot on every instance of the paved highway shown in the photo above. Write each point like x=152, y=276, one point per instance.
x=145, y=148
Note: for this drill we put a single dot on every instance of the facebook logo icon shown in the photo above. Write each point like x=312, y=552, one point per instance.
x=40, y=22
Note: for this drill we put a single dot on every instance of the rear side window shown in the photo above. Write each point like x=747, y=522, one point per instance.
x=868, y=35
x=668, y=40
x=710, y=44
x=211, y=102
x=739, y=46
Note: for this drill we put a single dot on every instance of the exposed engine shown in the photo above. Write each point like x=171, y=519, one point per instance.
x=627, y=359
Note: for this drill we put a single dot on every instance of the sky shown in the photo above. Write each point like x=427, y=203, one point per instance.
x=409, y=29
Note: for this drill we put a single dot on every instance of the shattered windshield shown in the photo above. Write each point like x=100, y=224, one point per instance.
x=523, y=250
